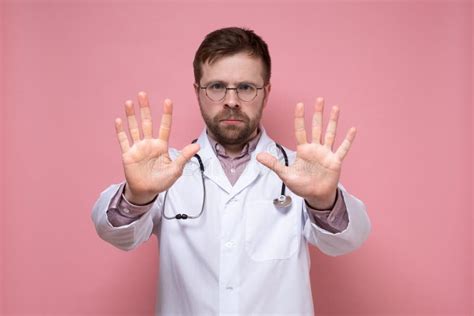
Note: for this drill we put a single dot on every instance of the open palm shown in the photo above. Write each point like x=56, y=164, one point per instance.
x=315, y=172
x=147, y=164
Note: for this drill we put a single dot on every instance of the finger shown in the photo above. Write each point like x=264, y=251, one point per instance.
x=300, y=131
x=331, y=128
x=346, y=144
x=318, y=120
x=165, y=127
x=132, y=121
x=121, y=136
x=145, y=114
x=272, y=163
x=187, y=153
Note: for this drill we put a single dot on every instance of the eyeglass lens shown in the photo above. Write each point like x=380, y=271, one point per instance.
x=245, y=91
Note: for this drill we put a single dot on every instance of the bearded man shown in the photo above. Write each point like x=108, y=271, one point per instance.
x=234, y=212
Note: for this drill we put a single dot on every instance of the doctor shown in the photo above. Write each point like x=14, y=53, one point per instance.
x=237, y=252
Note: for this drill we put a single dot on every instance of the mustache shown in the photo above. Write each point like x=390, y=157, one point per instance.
x=231, y=115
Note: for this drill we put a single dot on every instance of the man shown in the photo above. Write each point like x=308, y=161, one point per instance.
x=231, y=240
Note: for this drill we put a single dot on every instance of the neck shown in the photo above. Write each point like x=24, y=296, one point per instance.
x=233, y=150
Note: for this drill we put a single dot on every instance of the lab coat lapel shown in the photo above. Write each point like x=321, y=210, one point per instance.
x=254, y=168
x=212, y=167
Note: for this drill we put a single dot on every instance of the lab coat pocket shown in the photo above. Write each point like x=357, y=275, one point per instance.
x=270, y=232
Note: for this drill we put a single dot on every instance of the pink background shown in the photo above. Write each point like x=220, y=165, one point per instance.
x=401, y=73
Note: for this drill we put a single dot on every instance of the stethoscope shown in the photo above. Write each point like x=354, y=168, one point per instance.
x=282, y=201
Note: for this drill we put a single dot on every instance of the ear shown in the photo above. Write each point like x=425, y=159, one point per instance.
x=196, y=89
x=267, y=90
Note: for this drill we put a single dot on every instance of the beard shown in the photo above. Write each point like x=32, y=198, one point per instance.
x=231, y=134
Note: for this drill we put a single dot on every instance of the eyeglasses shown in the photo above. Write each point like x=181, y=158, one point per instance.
x=216, y=91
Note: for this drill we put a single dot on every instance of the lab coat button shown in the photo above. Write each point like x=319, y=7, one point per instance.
x=229, y=244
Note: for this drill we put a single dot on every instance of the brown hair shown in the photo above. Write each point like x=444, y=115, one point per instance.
x=229, y=41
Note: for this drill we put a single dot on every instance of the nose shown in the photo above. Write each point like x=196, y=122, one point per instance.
x=231, y=98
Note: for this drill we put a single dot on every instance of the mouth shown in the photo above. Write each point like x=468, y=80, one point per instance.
x=231, y=120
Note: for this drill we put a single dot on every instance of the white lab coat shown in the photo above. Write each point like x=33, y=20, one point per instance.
x=243, y=256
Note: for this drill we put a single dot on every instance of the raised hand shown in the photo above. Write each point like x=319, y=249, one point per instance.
x=316, y=170
x=147, y=164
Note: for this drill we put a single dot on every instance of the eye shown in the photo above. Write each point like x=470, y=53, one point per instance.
x=216, y=86
x=246, y=87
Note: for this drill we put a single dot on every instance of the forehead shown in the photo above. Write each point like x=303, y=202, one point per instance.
x=232, y=69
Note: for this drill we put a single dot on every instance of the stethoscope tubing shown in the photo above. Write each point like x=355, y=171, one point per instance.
x=282, y=201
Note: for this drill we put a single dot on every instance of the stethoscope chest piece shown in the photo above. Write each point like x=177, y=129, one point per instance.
x=282, y=201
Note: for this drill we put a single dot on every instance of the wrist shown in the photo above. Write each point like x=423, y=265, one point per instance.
x=138, y=199
x=322, y=203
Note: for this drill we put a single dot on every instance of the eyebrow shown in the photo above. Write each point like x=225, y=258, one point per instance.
x=227, y=83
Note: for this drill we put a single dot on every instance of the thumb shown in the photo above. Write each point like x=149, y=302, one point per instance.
x=186, y=153
x=271, y=162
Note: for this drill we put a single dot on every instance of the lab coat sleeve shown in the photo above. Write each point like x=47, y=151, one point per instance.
x=126, y=237
x=351, y=238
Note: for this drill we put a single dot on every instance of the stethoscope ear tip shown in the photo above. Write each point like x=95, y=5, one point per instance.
x=282, y=201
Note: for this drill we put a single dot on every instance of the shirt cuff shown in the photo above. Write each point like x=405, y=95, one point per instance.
x=127, y=208
x=122, y=212
x=334, y=220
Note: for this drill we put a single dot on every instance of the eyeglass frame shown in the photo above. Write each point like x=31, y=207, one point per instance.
x=227, y=88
